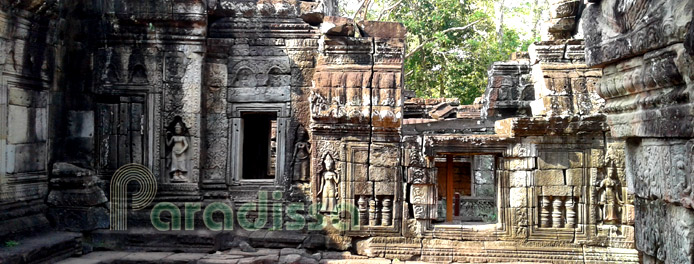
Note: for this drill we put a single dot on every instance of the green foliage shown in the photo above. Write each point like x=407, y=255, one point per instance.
x=453, y=63
x=11, y=243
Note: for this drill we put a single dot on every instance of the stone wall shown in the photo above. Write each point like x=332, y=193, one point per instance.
x=356, y=115
x=29, y=76
x=644, y=49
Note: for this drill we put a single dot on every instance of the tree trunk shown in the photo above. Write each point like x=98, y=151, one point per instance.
x=501, y=22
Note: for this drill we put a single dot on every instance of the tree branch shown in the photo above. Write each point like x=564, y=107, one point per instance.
x=363, y=9
x=388, y=10
x=420, y=46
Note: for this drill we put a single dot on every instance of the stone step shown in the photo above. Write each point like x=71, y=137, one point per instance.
x=199, y=241
x=46, y=248
x=144, y=239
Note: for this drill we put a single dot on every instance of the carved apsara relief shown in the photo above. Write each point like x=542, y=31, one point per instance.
x=177, y=143
x=328, y=190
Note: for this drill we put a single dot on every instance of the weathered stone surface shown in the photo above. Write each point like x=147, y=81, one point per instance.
x=549, y=177
x=387, y=174
x=553, y=160
x=337, y=26
x=509, y=91
x=574, y=177
x=441, y=110
x=520, y=163
x=384, y=188
x=520, y=179
x=557, y=191
x=689, y=40
x=576, y=159
x=518, y=197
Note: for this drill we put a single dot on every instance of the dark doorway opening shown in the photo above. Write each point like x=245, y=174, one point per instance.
x=259, y=130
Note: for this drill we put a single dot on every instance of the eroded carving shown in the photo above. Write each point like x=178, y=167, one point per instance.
x=301, y=167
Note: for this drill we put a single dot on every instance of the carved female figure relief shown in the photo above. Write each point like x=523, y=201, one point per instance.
x=328, y=187
x=609, y=199
x=178, y=142
x=301, y=166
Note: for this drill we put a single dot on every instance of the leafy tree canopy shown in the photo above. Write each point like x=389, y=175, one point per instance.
x=452, y=43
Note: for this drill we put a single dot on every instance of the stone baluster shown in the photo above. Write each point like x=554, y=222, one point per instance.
x=372, y=212
x=570, y=212
x=378, y=211
x=386, y=212
x=545, y=212
x=556, y=212
x=363, y=210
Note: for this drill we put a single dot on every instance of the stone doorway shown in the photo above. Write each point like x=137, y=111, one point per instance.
x=466, y=189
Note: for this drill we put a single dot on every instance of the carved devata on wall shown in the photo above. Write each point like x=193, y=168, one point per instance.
x=328, y=191
x=301, y=165
x=610, y=202
x=177, y=150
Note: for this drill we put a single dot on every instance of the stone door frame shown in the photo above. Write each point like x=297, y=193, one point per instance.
x=235, y=157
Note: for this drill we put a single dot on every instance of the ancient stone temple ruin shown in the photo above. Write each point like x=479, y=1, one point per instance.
x=274, y=131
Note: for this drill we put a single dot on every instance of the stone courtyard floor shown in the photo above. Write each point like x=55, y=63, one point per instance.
x=233, y=256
